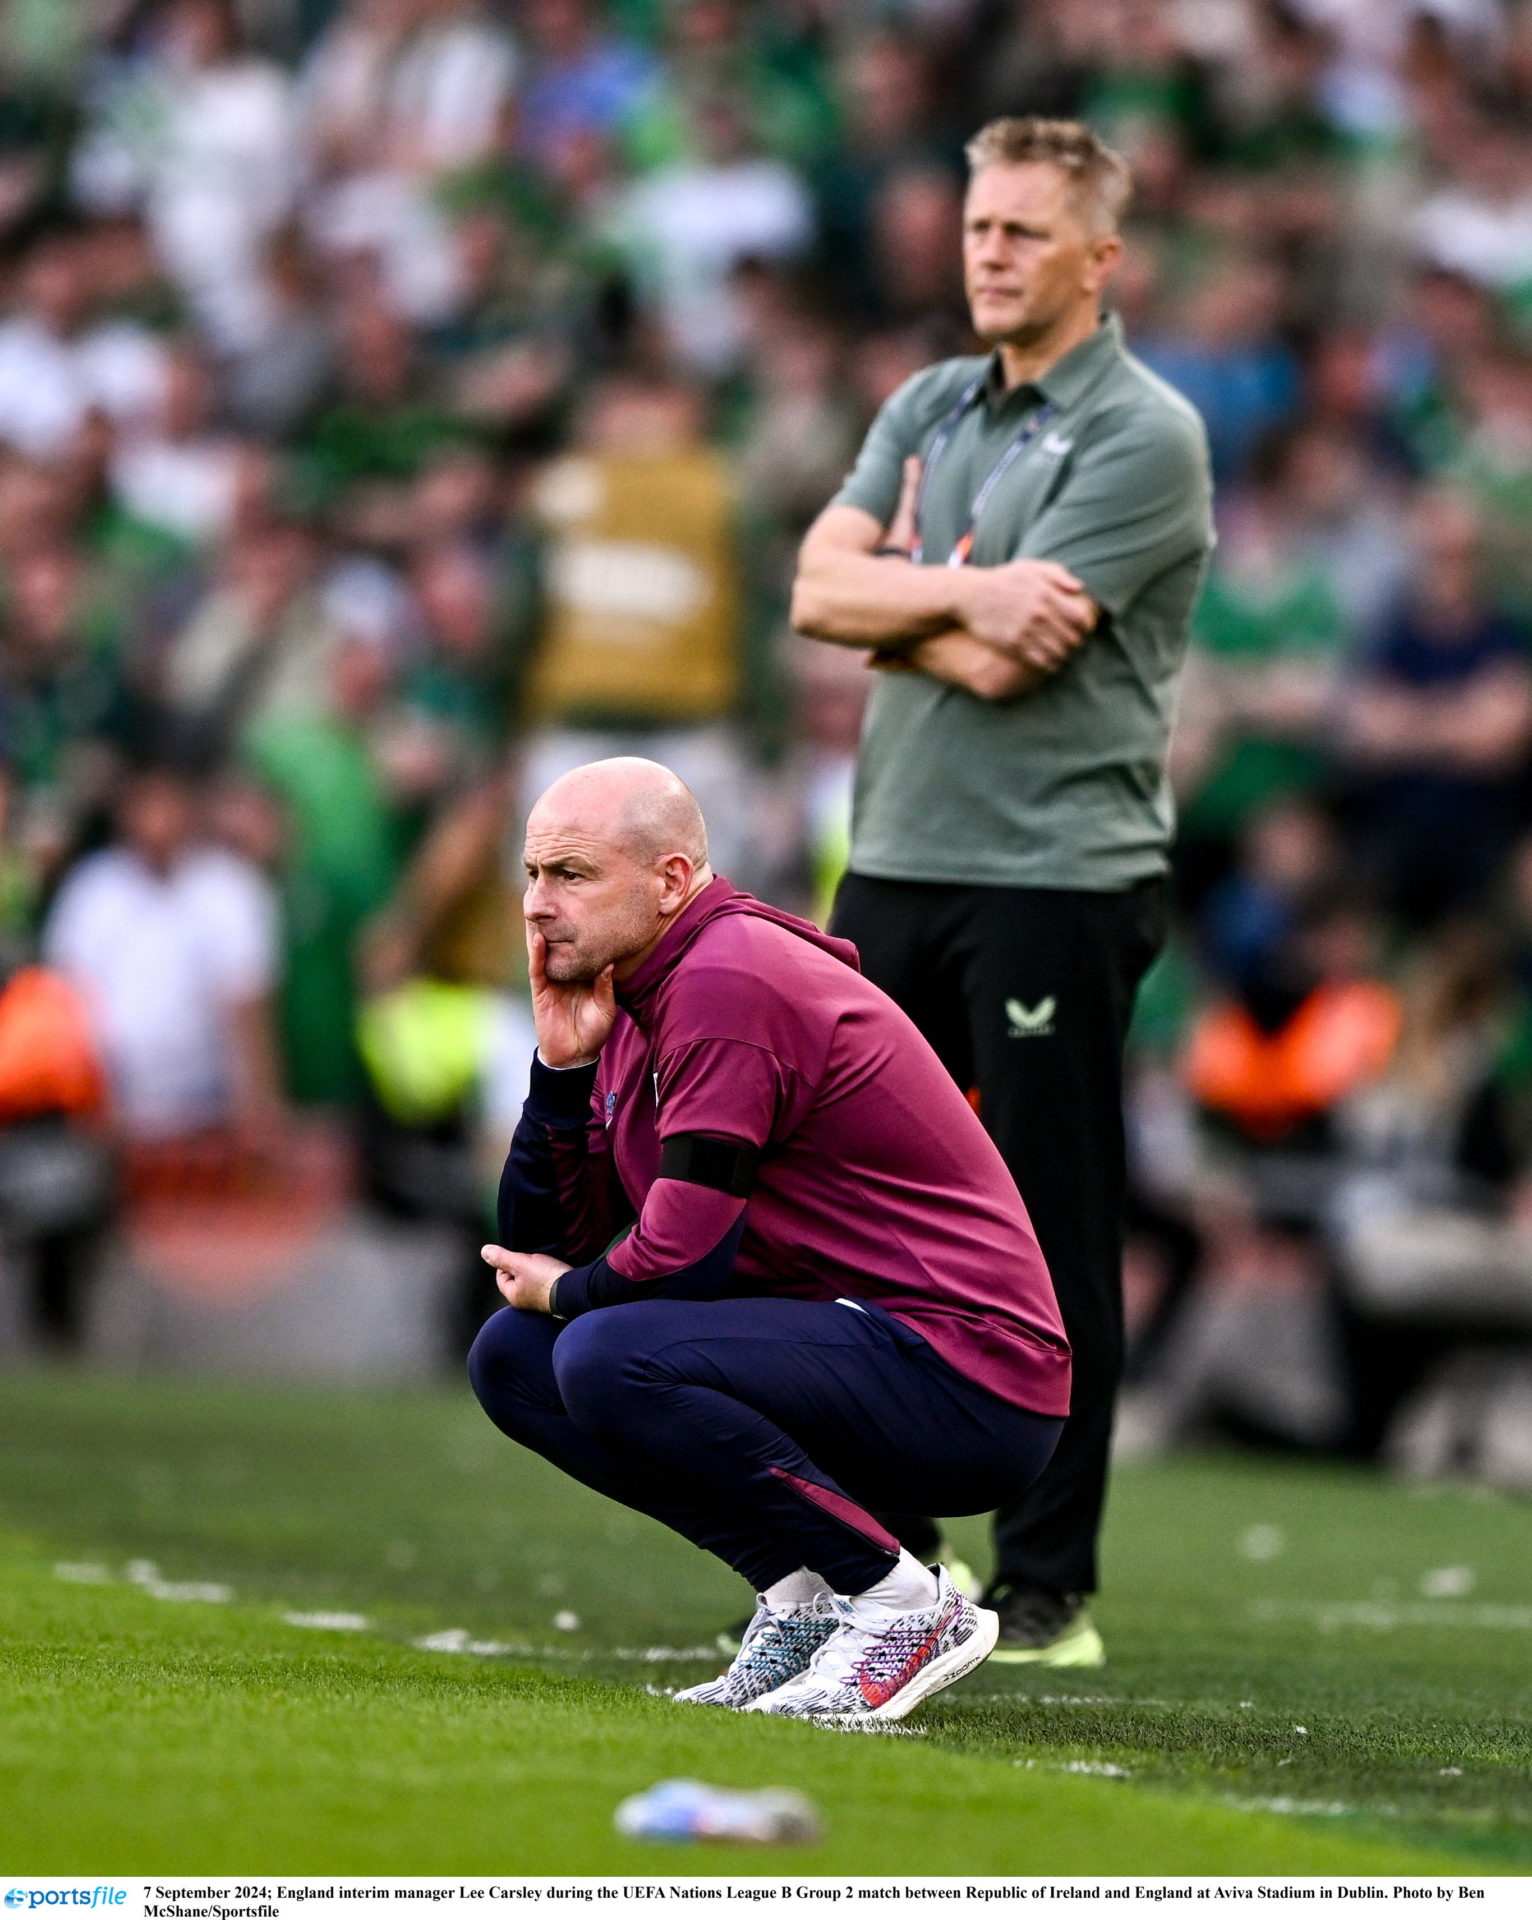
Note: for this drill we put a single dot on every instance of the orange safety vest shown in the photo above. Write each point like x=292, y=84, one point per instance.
x=1342, y=1036
x=48, y=1061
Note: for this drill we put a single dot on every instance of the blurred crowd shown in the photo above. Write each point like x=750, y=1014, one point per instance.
x=404, y=400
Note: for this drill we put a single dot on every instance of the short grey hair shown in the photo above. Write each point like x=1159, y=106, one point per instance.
x=1100, y=182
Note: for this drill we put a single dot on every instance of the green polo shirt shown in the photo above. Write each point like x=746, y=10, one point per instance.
x=1064, y=786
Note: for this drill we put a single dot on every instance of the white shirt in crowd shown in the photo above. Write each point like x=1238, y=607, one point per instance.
x=49, y=384
x=161, y=961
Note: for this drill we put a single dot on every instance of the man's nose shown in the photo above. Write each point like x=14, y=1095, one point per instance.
x=534, y=902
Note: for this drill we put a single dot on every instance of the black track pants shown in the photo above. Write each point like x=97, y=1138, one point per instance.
x=1026, y=994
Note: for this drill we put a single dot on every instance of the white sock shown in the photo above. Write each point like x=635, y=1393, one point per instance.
x=909, y=1585
x=798, y=1589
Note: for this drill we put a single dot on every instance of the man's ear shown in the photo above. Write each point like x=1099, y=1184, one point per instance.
x=1105, y=259
x=677, y=872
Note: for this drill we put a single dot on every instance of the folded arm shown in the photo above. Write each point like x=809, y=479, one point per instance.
x=997, y=632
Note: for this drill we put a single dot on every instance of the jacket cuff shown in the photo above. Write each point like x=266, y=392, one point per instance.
x=596, y=1284
x=560, y=1097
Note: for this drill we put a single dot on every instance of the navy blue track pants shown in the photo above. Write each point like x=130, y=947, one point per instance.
x=763, y=1430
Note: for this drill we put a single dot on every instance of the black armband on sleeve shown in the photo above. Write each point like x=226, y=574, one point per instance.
x=727, y=1166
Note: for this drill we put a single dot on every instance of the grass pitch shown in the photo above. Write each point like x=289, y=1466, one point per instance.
x=213, y=1604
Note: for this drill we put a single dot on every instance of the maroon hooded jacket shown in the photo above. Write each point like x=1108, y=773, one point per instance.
x=872, y=1178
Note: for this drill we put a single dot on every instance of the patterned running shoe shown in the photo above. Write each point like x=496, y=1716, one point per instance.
x=863, y=1673
x=776, y=1648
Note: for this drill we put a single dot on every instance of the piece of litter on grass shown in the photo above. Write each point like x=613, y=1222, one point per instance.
x=1262, y=1542
x=682, y=1810
x=84, y=1573
x=566, y=1622
x=1447, y=1583
x=329, y=1622
x=1450, y=1773
x=1303, y=1730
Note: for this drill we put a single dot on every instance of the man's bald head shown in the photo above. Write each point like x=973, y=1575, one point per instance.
x=614, y=851
x=637, y=805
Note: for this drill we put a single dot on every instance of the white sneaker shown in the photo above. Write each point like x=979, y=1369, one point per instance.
x=883, y=1672
x=777, y=1647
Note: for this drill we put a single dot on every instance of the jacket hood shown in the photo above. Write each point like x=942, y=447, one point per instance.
x=718, y=900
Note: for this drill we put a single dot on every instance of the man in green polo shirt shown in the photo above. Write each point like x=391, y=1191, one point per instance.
x=1021, y=544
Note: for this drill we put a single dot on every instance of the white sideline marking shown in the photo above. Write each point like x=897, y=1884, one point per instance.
x=1383, y=1617
x=330, y=1622
x=145, y=1574
x=458, y=1640
x=1330, y=1809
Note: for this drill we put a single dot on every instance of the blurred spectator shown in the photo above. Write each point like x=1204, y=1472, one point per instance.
x=687, y=225
x=1267, y=643
x=65, y=711
x=254, y=644
x=1436, y=727
x=1309, y=1024
x=180, y=475
x=1479, y=223
x=198, y=131
x=1223, y=351
x=275, y=378
x=379, y=425
x=1344, y=515
x=915, y=220
x=173, y=945
x=581, y=80
x=1429, y=1168
x=1290, y=861
x=57, y=1188
x=1492, y=464
x=397, y=96
x=642, y=649
x=886, y=85
x=58, y=364
x=341, y=841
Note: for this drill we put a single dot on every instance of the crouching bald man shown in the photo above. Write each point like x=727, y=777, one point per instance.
x=766, y=1270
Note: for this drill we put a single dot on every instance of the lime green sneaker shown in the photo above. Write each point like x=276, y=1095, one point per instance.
x=1043, y=1629
x=963, y=1577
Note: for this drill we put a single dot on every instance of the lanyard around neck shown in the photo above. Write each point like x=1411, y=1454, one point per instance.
x=1033, y=425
